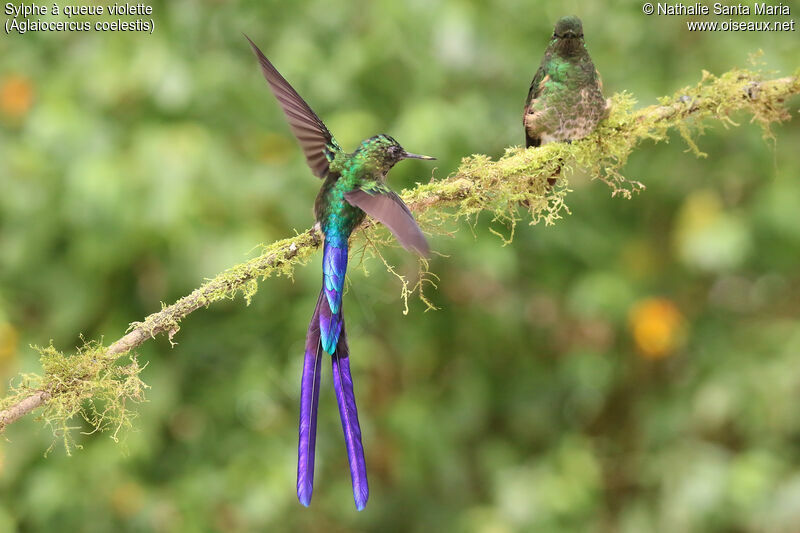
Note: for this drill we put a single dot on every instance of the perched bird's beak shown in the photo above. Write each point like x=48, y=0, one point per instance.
x=409, y=155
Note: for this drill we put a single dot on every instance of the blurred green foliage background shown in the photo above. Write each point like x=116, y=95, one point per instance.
x=633, y=368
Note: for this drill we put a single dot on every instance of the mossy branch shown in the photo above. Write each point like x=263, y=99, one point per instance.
x=95, y=385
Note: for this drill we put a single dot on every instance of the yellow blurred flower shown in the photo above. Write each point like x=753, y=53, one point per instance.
x=8, y=343
x=16, y=96
x=657, y=326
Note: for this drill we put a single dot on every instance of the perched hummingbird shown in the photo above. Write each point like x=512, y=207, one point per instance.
x=565, y=101
x=354, y=185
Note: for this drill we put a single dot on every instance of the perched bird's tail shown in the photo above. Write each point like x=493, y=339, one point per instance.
x=327, y=332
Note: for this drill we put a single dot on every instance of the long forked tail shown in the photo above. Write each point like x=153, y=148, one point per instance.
x=334, y=266
x=309, y=402
x=343, y=384
x=326, y=331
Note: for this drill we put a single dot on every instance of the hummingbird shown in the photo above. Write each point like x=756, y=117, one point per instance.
x=354, y=185
x=565, y=101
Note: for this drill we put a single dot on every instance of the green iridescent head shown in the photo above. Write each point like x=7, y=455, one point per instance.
x=568, y=36
x=383, y=152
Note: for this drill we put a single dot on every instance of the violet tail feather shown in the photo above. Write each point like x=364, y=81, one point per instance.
x=309, y=402
x=334, y=266
x=343, y=384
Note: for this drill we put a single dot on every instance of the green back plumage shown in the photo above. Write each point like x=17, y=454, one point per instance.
x=363, y=169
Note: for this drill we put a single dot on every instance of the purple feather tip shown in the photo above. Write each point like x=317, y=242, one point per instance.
x=304, y=495
x=343, y=384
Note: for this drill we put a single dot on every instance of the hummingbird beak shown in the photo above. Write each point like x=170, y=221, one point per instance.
x=409, y=155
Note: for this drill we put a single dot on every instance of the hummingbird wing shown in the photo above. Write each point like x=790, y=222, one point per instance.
x=607, y=109
x=535, y=88
x=533, y=93
x=599, y=80
x=385, y=206
x=309, y=129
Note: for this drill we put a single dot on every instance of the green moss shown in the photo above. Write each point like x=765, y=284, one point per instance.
x=279, y=258
x=91, y=384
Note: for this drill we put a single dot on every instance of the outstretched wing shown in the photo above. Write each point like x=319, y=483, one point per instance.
x=314, y=137
x=386, y=207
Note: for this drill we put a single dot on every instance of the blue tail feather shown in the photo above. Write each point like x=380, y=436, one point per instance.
x=334, y=266
x=309, y=401
x=343, y=385
x=327, y=332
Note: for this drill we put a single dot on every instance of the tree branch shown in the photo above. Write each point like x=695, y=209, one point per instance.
x=479, y=185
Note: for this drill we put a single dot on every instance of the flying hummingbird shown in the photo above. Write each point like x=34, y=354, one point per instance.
x=565, y=101
x=353, y=186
